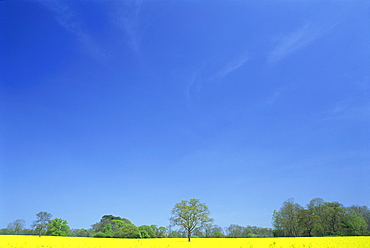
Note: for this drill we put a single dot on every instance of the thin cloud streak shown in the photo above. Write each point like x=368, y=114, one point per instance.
x=67, y=19
x=127, y=18
x=274, y=97
x=232, y=66
x=193, y=87
x=198, y=80
x=352, y=112
x=297, y=40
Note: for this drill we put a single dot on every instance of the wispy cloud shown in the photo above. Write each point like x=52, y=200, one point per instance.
x=205, y=76
x=232, y=65
x=274, y=97
x=345, y=110
x=283, y=91
x=127, y=18
x=298, y=39
x=68, y=19
x=193, y=86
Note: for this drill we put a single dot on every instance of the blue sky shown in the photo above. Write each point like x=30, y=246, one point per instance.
x=128, y=107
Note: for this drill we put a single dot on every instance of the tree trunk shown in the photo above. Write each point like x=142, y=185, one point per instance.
x=189, y=235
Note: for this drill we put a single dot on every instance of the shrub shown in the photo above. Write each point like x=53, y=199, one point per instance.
x=99, y=235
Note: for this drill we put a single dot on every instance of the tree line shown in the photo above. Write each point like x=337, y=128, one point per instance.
x=192, y=218
x=116, y=227
x=320, y=218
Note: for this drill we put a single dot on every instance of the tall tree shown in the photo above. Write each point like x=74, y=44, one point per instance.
x=308, y=222
x=16, y=226
x=40, y=224
x=287, y=217
x=317, y=207
x=190, y=215
x=334, y=218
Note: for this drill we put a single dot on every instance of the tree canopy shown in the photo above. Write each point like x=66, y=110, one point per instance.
x=190, y=215
x=58, y=227
x=320, y=218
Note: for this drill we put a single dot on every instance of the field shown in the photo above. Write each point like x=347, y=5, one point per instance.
x=10, y=241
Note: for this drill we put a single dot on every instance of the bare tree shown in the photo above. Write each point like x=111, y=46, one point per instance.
x=41, y=223
x=16, y=226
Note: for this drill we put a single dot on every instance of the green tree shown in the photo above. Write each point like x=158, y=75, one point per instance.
x=317, y=210
x=277, y=223
x=99, y=235
x=365, y=213
x=5, y=231
x=108, y=230
x=333, y=218
x=40, y=225
x=174, y=234
x=215, y=229
x=235, y=231
x=355, y=223
x=307, y=222
x=190, y=215
x=16, y=226
x=144, y=234
x=217, y=234
x=111, y=225
x=286, y=218
x=58, y=227
x=130, y=231
x=207, y=230
x=160, y=231
x=82, y=233
x=120, y=223
x=148, y=230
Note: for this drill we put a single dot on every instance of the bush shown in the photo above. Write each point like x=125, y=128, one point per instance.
x=99, y=235
x=218, y=235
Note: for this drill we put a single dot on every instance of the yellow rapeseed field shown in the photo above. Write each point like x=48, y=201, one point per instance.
x=12, y=241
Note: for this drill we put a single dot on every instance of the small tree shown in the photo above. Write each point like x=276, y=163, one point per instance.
x=190, y=215
x=16, y=226
x=58, y=227
x=40, y=224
